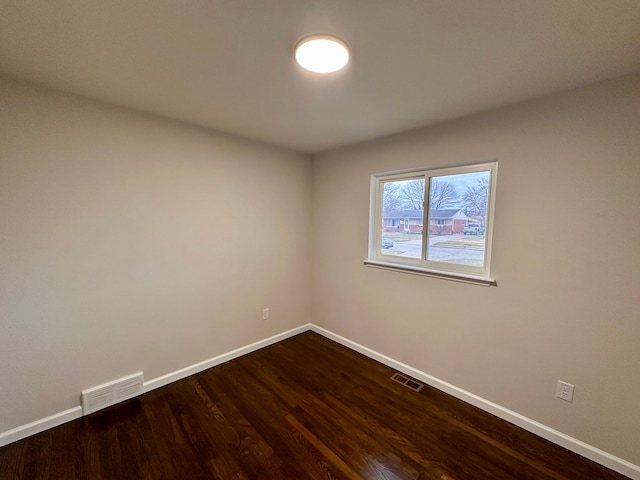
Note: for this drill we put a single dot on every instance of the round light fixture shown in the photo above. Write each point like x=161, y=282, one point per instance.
x=322, y=54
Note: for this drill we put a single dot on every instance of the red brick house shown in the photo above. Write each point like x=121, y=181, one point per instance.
x=405, y=221
x=441, y=222
x=447, y=222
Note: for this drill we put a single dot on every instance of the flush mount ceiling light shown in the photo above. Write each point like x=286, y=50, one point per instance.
x=322, y=54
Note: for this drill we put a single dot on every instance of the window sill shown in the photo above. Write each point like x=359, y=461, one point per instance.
x=454, y=277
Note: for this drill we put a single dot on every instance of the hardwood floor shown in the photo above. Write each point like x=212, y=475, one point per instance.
x=305, y=408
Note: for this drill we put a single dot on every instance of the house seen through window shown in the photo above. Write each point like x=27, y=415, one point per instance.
x=434, y=220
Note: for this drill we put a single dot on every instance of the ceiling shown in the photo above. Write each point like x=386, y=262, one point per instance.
x=228, y=64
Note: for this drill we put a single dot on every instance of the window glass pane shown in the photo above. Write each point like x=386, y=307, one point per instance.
x=457, y=218
x=403, y=218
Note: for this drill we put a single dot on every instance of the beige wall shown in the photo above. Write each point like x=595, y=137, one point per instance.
x=566, y=257
x=132, y=243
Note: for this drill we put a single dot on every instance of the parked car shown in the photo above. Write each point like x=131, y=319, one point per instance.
x=386, y=243
x=473, y=229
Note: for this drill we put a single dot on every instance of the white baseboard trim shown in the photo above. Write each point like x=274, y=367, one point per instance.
x=614, y=463
x=24, y=431
x=592, y=453
x=225, y=357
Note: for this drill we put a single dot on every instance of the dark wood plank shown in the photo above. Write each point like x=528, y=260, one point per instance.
x=305, y=408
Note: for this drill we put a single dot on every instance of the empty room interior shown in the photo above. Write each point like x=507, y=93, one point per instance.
x=191, y=219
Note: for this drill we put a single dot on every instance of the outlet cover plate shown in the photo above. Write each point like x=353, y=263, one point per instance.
x=564, y=391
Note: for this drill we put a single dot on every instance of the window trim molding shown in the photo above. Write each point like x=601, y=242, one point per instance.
x=485, y=282
x=422, y=266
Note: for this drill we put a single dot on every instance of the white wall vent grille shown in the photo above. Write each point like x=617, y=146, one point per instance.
x=102, y=396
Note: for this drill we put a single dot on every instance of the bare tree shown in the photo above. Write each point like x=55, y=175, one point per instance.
x=475, y=198
x=412, y=194
x=391, y=196
x=443, y=195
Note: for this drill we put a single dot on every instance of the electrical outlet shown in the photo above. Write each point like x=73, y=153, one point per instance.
x=564, y=391
x=265, y=314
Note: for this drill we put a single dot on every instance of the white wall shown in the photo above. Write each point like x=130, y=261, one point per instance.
x=566, y=257
x=129, y=243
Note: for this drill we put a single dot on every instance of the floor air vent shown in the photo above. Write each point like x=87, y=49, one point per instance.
x=407, y=382
x=102, y=396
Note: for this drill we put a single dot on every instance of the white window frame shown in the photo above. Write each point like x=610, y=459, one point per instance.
x=450, y=271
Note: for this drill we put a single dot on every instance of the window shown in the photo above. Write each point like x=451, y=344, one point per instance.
x=456, y=242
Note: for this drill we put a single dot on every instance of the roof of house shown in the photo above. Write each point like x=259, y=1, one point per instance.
x=444, y=213
x=404, y=214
